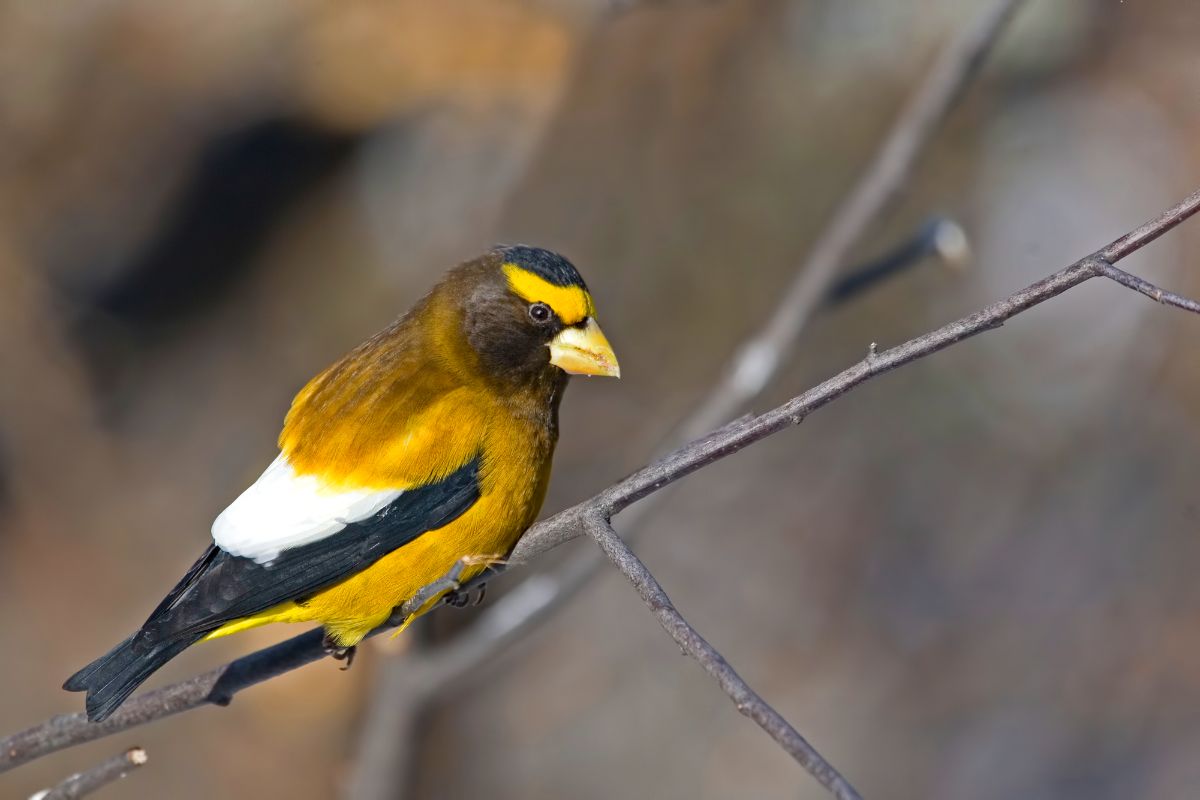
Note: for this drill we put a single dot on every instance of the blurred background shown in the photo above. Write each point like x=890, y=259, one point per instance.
x=974, y=577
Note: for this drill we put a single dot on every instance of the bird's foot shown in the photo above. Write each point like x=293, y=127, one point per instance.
x=461, y=598
x=447, y=589
x=470, y=595
x=339, y=653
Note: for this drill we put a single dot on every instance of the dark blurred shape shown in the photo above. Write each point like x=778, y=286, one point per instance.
x=941, y=237
x=245, y=183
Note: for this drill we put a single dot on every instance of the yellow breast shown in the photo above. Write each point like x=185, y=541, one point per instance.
x=514, y=477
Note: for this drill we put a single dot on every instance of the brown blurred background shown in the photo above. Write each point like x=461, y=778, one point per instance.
x=972, y=578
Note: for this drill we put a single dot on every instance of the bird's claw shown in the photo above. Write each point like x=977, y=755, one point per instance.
x=461, y=599
x=339, y=653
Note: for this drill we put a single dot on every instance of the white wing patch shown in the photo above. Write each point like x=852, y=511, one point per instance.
x=282, y=510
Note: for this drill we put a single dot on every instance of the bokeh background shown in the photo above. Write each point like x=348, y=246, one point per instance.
x=972, y=578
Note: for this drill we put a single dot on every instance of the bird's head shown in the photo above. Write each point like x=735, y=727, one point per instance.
x=527, y=310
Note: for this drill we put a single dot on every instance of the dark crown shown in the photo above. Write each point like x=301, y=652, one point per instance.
x=543, y=263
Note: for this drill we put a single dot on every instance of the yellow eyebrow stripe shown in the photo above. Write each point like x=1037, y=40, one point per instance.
x=572, y=303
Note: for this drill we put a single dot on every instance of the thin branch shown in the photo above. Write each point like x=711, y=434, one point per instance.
x=748, y=701
x=700, y=453
x=219, y=685
x=84, y=783
x=1142, y=286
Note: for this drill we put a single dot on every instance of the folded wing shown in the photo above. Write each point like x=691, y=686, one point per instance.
x=316, y=539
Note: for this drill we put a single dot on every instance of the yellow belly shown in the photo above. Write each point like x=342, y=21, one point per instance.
x=349, y=610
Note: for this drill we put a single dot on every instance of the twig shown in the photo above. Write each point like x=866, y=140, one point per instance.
x=219, y=685
x=1129, y=281
x=705, y=451
x=748, y=701
x=84, y=783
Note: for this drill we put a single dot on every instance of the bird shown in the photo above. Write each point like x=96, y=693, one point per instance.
x=428, y=445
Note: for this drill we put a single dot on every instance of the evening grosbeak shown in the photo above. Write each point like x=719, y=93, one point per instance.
x=428, y=443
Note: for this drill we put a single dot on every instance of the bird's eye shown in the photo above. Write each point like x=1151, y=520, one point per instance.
x=540, y=313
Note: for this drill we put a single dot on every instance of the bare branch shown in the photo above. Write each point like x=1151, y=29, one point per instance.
x=216, y=687
x=219, y=685
x=84, y=783
x=1145, y=287
x=748, y=701
x=700, y=453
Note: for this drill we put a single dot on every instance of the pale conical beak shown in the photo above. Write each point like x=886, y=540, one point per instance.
x=584, y=351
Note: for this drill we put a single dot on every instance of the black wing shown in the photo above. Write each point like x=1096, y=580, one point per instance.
x=221, y=587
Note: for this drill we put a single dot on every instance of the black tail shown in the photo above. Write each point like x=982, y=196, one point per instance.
x=111, y=678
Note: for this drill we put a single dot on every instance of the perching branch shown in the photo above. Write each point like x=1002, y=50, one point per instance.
x=219, y=685
x=748, y=701
x=729, y=440
x=84, y=783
